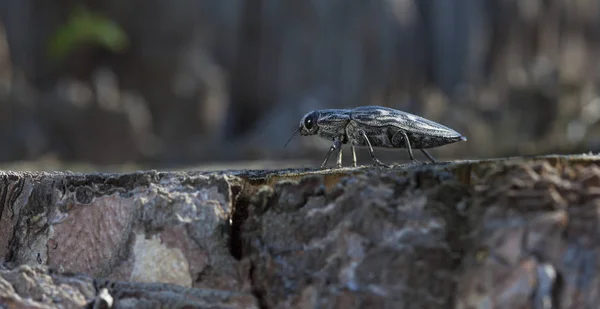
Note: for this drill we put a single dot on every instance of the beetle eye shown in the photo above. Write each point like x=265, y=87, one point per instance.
x=309, y=122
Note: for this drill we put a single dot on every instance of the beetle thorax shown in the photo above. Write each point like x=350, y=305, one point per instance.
x=330, y=132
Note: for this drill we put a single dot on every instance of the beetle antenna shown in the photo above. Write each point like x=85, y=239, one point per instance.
x=295, y=132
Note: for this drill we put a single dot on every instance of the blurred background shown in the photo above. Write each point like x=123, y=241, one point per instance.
x=165, y=84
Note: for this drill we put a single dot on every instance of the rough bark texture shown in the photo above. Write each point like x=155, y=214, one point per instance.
x=507, y=233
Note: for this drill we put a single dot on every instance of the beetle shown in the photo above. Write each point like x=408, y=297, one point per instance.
x=375, y=126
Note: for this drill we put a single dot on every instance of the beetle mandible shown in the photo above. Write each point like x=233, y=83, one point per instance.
x=375, y=126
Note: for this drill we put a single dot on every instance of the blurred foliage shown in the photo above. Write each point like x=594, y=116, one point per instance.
x=86, y=27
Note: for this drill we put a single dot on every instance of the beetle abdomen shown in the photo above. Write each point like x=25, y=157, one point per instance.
x=384, y=117
x=425, y=141
x=392, y=137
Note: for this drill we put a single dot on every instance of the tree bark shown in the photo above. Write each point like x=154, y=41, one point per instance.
x=510, y=233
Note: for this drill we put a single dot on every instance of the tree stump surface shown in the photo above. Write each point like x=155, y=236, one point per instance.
x=501, y=233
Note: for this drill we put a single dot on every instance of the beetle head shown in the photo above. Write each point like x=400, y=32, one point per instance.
x=308, y=124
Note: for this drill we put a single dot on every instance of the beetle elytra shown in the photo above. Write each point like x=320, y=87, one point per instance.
x=375, y=126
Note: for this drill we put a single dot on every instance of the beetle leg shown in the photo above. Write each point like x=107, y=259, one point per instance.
x=339, y=157
x=337, y=144
x=410, y=154
x=428, y=155
x=376, y=161
x=353, y=156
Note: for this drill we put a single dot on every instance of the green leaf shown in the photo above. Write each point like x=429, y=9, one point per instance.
x=84, y=26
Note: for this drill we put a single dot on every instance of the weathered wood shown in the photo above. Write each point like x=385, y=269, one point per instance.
x=512, y=233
